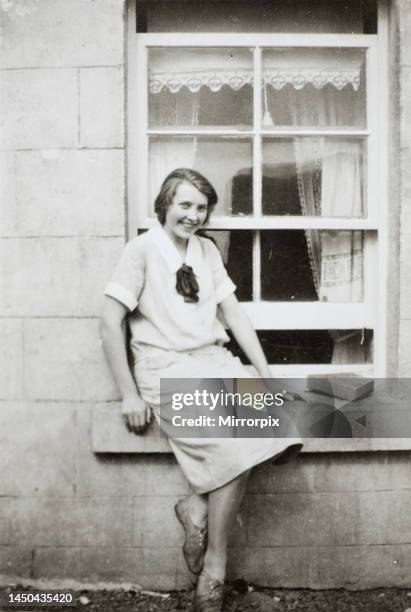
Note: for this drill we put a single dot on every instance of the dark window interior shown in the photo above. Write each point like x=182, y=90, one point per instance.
x=310, y=346
x=322, y=16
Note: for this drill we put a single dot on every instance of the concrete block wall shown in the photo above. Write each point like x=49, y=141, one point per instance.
x=66, y=514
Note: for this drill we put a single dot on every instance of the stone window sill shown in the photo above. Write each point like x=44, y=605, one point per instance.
x=109, y=435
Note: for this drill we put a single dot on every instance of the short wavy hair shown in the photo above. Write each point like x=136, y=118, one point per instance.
x=170, y=185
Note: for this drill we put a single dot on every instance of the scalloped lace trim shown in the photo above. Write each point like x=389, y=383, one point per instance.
x=215, y=80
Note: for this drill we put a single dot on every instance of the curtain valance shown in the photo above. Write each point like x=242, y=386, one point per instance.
x=173, y=69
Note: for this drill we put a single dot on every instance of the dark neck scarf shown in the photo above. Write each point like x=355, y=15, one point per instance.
x=187, y=285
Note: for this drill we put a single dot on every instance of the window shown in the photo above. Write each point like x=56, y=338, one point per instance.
x=288, y=127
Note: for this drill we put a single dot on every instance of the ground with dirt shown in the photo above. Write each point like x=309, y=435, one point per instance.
x=240, y=597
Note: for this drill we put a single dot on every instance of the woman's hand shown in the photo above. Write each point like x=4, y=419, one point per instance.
x=135, y=413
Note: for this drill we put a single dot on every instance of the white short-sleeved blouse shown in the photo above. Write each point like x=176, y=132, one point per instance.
x=146, y=277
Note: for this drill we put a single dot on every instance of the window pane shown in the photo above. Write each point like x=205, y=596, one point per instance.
x=315, y=88
x=311, y=265
x=236, y=249
x=313, y=346
x=200, y=87
x=314, y=176
x=222, y=160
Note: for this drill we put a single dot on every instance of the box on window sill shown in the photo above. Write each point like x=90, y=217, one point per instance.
x=347, y=386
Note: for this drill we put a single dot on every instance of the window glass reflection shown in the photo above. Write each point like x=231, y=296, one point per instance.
x=311, y=265
x=220, y=159
x=317, y=88
x=320, y=176
x=200, y=87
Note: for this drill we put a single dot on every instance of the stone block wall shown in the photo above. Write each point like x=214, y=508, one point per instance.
x=65, y=513
x=403, y=10
x=62, y=220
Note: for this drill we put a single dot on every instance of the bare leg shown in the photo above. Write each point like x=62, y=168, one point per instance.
x=198, y=506
x=223, y=505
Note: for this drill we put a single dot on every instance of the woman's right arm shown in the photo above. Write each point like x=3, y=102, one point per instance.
x=136, y=414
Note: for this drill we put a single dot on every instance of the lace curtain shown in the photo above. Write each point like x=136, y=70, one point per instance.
x=329, y=177
x=330, y=183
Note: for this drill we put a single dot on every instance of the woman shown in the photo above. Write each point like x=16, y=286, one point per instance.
x=174, y=283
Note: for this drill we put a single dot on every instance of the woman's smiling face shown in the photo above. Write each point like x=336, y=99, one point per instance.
x=186, y=213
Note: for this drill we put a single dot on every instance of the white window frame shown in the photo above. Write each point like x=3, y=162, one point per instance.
x=371, y=313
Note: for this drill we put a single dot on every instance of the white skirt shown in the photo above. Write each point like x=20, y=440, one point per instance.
x=207, y=463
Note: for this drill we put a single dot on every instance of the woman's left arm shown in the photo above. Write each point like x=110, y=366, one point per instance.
x=244, y=333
